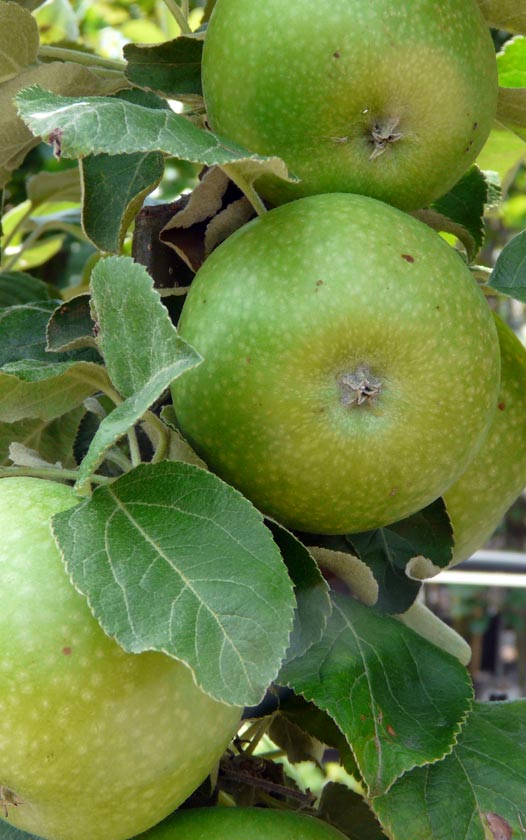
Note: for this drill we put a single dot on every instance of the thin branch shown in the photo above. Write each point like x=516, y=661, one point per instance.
x=78, y=57
x=52, y=473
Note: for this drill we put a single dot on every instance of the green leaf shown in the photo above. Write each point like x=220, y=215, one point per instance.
x=19, y=40
x=401, y=554
x=172, y=69
x=503, y=154
x=129, y=412
x=398, y=699
x=70, y=326
x=464, y=205
x=511, y=110
x=38, y=253
x=511, y=63
x=98, y=125
x=23, y=330
x=62, y=77
x=484, y=775
x=33, y=382
x=136, y=335
x=311, y=590
x=23, y=336
x=309, y=719
x=509, y=275
x=16, y=287
x=114, y=186
x=38, y=389
x=114, y=190
x=53, y=440
x=349, y=812
x=172, y=559
x=46, y=187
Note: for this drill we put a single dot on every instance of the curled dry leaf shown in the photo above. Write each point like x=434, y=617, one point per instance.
x=213, y=211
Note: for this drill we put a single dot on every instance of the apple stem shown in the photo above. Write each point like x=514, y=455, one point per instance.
x=56, y=473
x=135, y=452
x=179, y=15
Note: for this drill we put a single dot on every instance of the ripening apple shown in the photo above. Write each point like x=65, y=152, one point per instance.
x=388, y=98
x=351, y=364
x=241, y=824
x=478, y=500
x=95, y=743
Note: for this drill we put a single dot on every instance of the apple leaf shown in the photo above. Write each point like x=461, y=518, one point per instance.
x=511, y=63
x=45, y=187
x=136, y=336
x=511, y=110
x=62, y=77
x=143, y=352
x=33, y=382
x=104, y=125
x=53, y=440
x=308, y=719
x=115, y=186
x=23, y=331
x=395, y=553
x=70, y=326
x=18, y=287
x=173, y=559
x=463, y=209
x=172, y=69
x=296, y=744
x=129, y=412
x=23, y=335
x=399, y=700
x=114, y=190
x=509, y=275
x=311, y=590
x=503, y=153
x=19, y=40
x=472, y=793
x=36, y=389
x=349, y=812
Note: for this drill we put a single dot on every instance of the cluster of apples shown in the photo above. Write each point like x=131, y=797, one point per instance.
x=353, y=369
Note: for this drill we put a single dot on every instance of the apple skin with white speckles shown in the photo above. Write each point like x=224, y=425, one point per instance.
x=242, y=824
x=95, y=743
x=286, y=313
x=478, y=500
x=388, y=98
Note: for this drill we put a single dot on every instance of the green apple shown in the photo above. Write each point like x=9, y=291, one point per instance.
x=241, y=824
x=351, y=364
x=478, y=500
x=388, y=98
x=95, y=743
